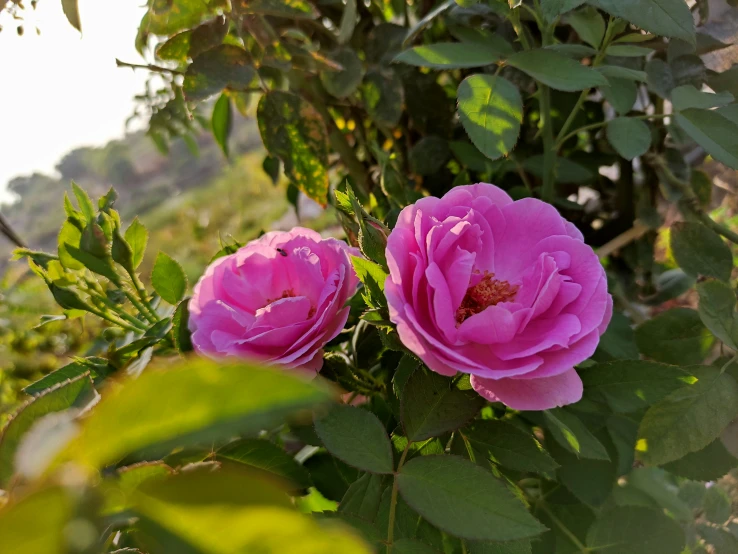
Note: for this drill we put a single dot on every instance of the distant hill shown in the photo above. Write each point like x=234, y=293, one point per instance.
x=142, y=176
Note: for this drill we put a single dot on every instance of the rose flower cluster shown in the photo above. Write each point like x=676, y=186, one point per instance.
x=506, y=291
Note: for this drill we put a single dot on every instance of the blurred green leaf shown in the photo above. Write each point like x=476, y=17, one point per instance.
x=137, y=237
x=200, y=408
x=448, y=55
x=36, y=523
x=669, y=18
x=717, y=134
x=295, y=9
x=687, y=96
x=345, y=82
x=708, y=464
x=268, y=457
x=700, y=251
x=589, y=25
x=215, y=69
x=383, y=95
x=717, y=311
x=569, y=431
x=222, y=122
x=635, y=530
x=69, y=393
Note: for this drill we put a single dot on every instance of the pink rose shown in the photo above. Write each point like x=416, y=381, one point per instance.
x=505, y=291
x=279, y=299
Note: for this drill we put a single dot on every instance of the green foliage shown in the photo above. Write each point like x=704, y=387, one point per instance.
x=369, y=107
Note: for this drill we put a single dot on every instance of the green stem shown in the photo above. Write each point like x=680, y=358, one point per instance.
x=105, y=302
x=583, y=96
x=393, y=500
x=549, y=151
x=727, y=364
x=115, y=320
x=144, y=306
x=519, y=29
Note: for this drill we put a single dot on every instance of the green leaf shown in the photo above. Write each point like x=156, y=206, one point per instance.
x=267, y=457
x=85, y=204
x=363, y=497
x=617, y=72
x=589, y=25
x=631, y=385
x=137, y=237
x=215, y=69
x=448, y=55
x=37, y=522
x=121, y=252
x=71, y=11
x=717, y=311
x=669, y=18
x=688, y=419
x=709, y=464
x=431, y=405
x=373, y=277
x=657, y=484
x=509, y=446
x=630, y=137
x=98, y=368
x=180, y=330
x=222, y=122
x=383, y=95
x=553, y=8
x=168, y=279
x=293, y=131
x=660, y=78
x=491, y=110
x=717, y=505
x=620, y=93
x=635, y=530
x=270, y=165
x=348, y=22
x=180, y=513
x=687, y=96
x=591, y=481
x=357, y=437
x=69, y=234
x=569, y=431
x=576, y=51
x=429, y=155
x=700, y=251
x=628, y=51
x=199, y=409
x=565, y=170
x=176, y=49
x=676, y=336
x=714, y=132
x=345, y=82
x=464, y=499
x=722, y=541
x=73, y=392
x=522, y=546
x=556, y=71
x=291, y=9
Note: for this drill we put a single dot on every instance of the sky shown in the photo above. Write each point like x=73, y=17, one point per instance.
x=62, y=90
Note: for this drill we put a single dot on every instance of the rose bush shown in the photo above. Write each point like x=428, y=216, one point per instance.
x=278, y=299
x=505, y=291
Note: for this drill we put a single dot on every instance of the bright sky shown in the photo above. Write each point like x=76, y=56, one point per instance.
x=61, y=90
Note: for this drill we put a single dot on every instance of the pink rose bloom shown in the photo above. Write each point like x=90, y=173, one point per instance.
x=505, y=291
x=279, y=299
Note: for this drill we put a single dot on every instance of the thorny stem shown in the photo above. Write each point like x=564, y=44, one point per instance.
x=152, y=316
x=393, y=500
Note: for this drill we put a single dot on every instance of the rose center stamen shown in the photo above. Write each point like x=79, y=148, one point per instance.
x=487, y=292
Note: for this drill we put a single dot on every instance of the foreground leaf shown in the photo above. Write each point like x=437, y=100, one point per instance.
x=62, y=397
x=293, y=131
x=230, y=512
x=200, y=407
x=36, y=523
x=717, y=310
x=490, y=109
x=688, y=419
x=357, y=437
x=464, y=499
